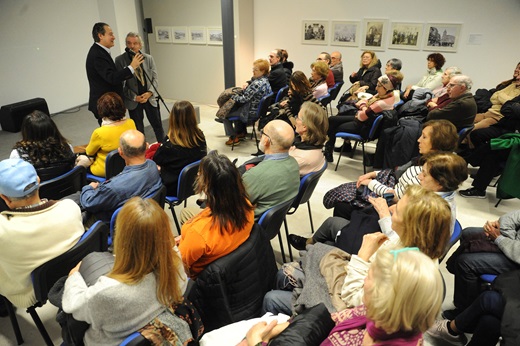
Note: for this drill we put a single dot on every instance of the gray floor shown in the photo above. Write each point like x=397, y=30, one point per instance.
x=78, y=126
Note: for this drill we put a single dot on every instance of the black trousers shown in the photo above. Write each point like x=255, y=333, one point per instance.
x=152, y=113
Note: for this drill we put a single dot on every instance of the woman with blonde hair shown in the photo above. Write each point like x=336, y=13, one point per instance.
x=311, y=124
x=146, y=279
x=365, y=79
x=184, y=144
x=319, y=73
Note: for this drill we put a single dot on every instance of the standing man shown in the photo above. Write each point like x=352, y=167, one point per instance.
x=140, y=91
x=101, y=69
x=336, y=66
x=277, y=78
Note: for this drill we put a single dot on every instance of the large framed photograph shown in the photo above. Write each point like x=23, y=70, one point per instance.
x=442, y=37
x=163, y=34
x=345, y=34
x=374, y=31
x=197, y=35
x=315, y=32
x=406, y=35
x=180, y=34
x=215, y=36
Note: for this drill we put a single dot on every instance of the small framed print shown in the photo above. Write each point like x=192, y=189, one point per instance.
x=405, y=35
x=180, y=34
x=441, y=37
x=215, y=36
x=163, y=34
x=345, y=34
x=374, y=31
x=197, y=35
x=315, y=32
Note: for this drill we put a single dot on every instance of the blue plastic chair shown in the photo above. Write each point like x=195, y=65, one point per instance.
x=135, y=339
x=281, y=93
x=114, y=164
x=271, y=221
x=455, y=236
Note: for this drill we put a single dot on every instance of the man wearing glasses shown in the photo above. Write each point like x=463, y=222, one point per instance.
x=336, y=66
x=462, y=109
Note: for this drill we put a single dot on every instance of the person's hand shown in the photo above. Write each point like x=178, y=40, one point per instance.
x=492, y=229
x=259, y=332
x=83, y=160
x=369, y=175
x=354, y=74
x=407, y=91
x=94, y=184
x=371, y=243
x=380, y=206
x=75, y=269
x=368, y=340
x=144, y=97
x=431, y=105
x=364, y=182
x=177, y=240
x=245, y=85
x=137, y=60
x=283, y=103
x=139, y=99
x=361, y=89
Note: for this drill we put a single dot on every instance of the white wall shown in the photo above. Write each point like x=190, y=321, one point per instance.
x=278, y=24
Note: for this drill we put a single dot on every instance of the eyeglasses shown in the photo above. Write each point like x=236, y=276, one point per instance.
x=265, y=134
x=381, y=85
x=404, y=249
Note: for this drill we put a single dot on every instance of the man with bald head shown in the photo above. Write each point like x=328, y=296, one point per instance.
x=277, y=178
x=140, y=177
x=336, y=66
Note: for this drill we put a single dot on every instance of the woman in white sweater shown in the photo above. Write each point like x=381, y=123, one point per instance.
x=146, y=279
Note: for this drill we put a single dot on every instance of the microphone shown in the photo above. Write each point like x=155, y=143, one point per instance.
x=132, y=53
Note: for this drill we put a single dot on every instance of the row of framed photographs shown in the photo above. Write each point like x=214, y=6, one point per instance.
x=191, y=35
x=372, y=34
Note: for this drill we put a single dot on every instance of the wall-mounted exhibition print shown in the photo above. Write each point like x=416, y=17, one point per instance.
x=442, y=37
x=345, y=34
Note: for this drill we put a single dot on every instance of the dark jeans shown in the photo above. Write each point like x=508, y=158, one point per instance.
x=152, y=113
x=329, y=230
x=482, y=319
x=279, y=300
x=234, y=128
x=481, y=136
x=467, y=268
x=491, y=163
x=339, y=123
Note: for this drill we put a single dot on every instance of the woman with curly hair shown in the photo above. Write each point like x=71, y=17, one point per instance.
x=433, y=77
x=43, y=146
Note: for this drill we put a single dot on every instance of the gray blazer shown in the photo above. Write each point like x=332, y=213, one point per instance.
x=130, y=85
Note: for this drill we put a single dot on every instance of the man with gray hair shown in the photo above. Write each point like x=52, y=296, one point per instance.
x=139, y=91
x=33, y=230
x=462, y=109
x=140, y=177
x=277, y=178
x=325, y=57
x=336, y=66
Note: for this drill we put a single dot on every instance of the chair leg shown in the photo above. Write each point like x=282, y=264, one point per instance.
x=32, y=311
x=287, y=238
x=339, y=158
x=310, y=216
x=354, y=149
x=500, y=200
x=14, y=321
x=175, y=219
x=256, y=139
x=281, y=247
x=363, y=158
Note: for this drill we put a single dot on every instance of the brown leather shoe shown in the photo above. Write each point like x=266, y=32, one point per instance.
x=232, y=141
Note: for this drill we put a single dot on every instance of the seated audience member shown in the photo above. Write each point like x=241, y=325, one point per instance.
x=225, y=223
x=184, y=144
x=104, y=139
x=442, y=173
x=336, y=66
x=392, y=65
x=43, y=146
x=249, y=98
x=319, y=72
x=462, y=108
x=276, y=179
x=467, y=266
x=277, y=77
x=433, y=77
x=421, y=218
x=140, y=177
x=287, y=65
x=493, y=153
x=437, y=135
x=143, y=287
x=365, y=79
x=299, y=92
x=482, y=319
x=493, y=115
x=33, y=231
x=368, y=110
x=311, y=124
x=325, y=57
x=440, y=94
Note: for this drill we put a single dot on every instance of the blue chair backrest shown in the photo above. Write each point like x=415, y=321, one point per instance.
x=272, y=219
x=264, y=104
x=186, y=180
x=281, y=93
x=64, y=185
x=135, y=339
x=375, y=127
x=307, y=185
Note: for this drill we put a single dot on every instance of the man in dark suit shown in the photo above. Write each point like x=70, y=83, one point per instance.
x=139, y=91
x=101, y=69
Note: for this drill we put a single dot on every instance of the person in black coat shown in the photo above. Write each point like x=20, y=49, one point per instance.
x=277, y=77
x=102, y=74
x=368, y=73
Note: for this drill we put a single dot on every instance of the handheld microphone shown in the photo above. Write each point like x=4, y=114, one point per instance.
x=132, y=53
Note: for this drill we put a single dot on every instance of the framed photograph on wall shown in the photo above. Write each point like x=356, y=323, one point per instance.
x=197, y=35
x=315, y=32
x=374, y=34
x=180, y=34
x=442, y=37
x=163, y=34
x=215, y=36
x=405, y=35
x=345, y=34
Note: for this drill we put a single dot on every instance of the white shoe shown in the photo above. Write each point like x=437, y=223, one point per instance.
x=439, y=330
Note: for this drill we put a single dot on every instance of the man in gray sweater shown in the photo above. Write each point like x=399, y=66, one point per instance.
x=468, y=266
